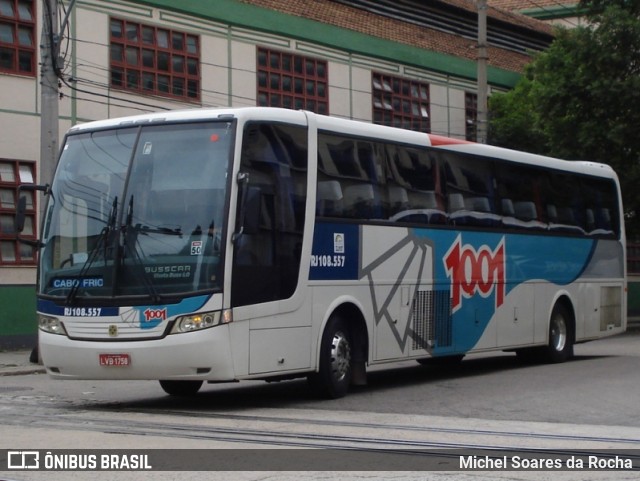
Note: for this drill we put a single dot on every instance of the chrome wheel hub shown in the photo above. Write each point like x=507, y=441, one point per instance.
x=340, y=356
x=558, y=333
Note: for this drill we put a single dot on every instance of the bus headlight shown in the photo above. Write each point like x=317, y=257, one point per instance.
x=195, y=322
x=52, y=325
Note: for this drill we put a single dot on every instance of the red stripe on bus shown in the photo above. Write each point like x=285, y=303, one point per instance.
x=442, y=140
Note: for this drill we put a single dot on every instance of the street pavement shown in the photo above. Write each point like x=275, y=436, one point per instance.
x=17, y=363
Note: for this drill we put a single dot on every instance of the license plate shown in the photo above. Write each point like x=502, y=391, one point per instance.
x=115, y=360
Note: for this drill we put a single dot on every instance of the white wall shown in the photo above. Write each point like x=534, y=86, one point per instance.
x=222, y=47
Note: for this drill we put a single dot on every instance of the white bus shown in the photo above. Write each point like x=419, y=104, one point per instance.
x=223, y=245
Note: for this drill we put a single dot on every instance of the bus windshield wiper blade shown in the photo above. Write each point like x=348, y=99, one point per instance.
x=129, y=244
x=145, y=229
x=102, y=242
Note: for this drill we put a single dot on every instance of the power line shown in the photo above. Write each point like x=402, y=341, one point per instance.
x=111, y=97
x=518, y=15
x=92, y=68
x=101, y=88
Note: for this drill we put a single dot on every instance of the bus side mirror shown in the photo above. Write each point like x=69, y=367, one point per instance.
x=22, y=209
x=249, y=200
x=20, y=214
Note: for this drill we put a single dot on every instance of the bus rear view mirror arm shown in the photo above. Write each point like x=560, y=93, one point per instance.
x=21, y=212
x=249, y=210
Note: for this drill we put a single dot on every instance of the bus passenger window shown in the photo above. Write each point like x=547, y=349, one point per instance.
x=603, y=220
x=478, y=204
x=590, y=220
x=472, y=187
x=521, y=215
x=507, y=208
x=526, y=211
x=398, y=199
x=359, y=201
x=329, y=202
x=456, y=203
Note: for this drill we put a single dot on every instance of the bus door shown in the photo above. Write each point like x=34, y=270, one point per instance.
x=268, y=248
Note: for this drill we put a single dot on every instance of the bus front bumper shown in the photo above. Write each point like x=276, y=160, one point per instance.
x=201, y=355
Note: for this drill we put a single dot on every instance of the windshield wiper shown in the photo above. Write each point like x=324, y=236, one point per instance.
x=145, y=229
x=102, y=241
x=129, y=244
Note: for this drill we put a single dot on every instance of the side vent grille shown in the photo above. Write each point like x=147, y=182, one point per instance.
x=610, y=307
x=431, y=318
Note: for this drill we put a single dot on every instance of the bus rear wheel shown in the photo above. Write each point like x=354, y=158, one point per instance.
x=181, y=388
x=560, y=346
x=334, y=375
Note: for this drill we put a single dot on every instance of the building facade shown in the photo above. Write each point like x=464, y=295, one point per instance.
x=562, y=13
x=405, y=64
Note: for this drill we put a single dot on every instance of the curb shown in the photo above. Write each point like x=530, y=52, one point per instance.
x=19, y=363
x=21, y=370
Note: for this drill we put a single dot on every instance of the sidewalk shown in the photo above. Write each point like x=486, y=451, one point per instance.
x=17, y=363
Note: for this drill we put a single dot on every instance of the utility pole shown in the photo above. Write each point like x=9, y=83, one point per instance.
x=49, y=93
x=482, y=123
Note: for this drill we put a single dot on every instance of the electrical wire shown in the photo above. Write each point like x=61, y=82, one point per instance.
x=93, y=68
x=545, y=9
x=208, y=97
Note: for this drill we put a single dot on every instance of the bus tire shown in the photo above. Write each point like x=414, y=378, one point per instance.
x=334, y=374
x=181, y=388
x=560, y=346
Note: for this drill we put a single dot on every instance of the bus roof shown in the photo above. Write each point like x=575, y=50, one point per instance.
x=577, y=166
x=352, y=127
x=258, y=113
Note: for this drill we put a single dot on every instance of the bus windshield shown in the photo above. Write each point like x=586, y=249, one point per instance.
x=138, y=211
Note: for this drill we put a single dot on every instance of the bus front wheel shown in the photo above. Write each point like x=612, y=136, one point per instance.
x=334, y=374
x=181, y=388
x=560, y=346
